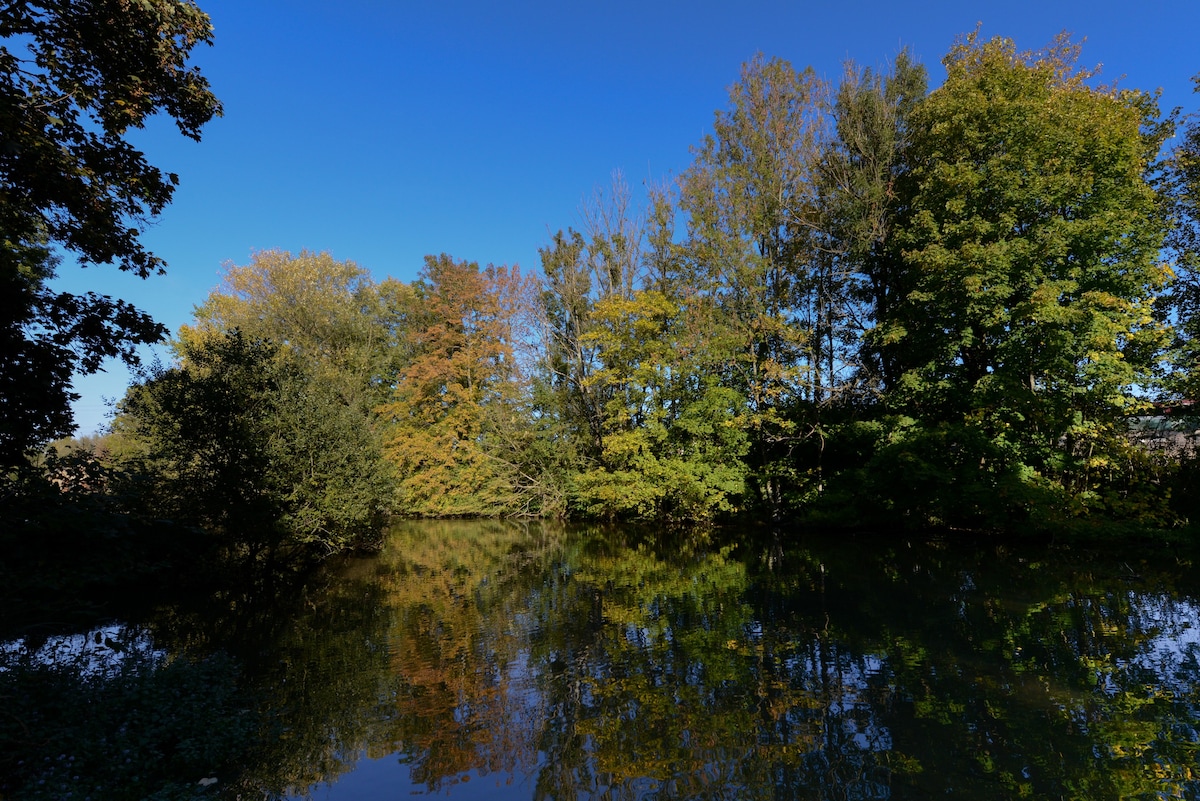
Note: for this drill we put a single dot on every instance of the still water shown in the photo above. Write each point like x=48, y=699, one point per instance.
x=474, y=660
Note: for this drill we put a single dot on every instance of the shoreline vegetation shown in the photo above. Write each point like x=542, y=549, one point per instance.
x=866, y=305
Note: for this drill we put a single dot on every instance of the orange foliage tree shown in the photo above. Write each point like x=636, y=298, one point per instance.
x=458, y=416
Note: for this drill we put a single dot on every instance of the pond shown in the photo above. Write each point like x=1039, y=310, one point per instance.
x=505, y=661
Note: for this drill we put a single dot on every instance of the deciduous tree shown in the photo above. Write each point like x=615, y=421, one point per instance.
x=603, y=261
x=351, y=332
x=241, y=441
x=859, y=168
x=1181, y=304
x=457, y=419
x=671, y=446
x=1028, y=254
x=75, y=77
x=761, y=281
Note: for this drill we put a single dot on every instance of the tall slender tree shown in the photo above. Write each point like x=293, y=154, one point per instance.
x=1181, y=304
x=857, y=182
x=581, y=268
x=750, y=202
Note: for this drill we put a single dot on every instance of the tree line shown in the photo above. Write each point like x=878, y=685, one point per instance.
x=863, y=303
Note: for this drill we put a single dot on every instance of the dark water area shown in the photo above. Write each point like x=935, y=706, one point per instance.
x=504, y=661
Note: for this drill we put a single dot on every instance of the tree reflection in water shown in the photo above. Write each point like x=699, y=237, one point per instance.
x=595, y=664
x=488, y=659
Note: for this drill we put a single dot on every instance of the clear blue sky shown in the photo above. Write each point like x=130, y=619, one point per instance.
x=382, y=131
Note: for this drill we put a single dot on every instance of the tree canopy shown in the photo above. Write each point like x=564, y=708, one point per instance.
x=864, y=302
x=75, y=77
x=1026, y=260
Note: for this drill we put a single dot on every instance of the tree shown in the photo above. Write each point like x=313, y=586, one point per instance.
x=1027, y=260
x=457, y=420
x=300, y=350
x=643, y=432
x=760, y=281
x=858, y=204
x=671, y=449
x=1182, y=302
x=582, y=269
x=75, y=77
x=197, y=435
x=326, y=314
x=565, y=391
x=239, y=440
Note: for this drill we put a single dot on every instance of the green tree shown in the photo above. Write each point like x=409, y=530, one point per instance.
x=74, y=79
x=671, y=446
x=1182, y=302
x=856, y=180
x=44, y=338
x=196, y=435
x=352, y=332
x=603, y=261
x=564, y=389
x=336, y=338
x=1179, y=305
x=862, y=153
x=1027, y=258
x=243, y=443
x=646, y=433
x=761, y=286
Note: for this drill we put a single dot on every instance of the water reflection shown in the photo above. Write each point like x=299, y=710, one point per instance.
x=492, y=660
x=102, y=650
x=544, y=665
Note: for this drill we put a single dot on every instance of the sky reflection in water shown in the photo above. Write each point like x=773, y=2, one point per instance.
x=490, y=660
x=531, y=663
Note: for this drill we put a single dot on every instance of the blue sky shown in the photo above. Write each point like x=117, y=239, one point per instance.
x=383, y=131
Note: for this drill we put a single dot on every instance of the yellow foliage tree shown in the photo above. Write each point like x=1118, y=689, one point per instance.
x=456, y=414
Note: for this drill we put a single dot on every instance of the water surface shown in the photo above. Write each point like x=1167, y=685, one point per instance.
x=503, y=661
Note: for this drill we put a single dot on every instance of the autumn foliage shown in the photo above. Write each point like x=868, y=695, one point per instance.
x=867, y=303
